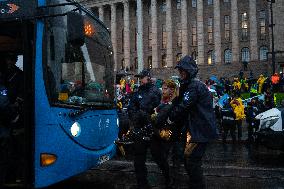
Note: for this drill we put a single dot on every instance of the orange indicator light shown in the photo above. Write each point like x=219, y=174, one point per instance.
x=47, y=159
x=89, y=29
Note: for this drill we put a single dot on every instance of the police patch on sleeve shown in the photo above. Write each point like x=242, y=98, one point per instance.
x=186, y=96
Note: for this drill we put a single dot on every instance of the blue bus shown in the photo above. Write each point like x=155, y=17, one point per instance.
x=64, y=118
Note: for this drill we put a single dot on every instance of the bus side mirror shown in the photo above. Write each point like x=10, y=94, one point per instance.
x=75, y=27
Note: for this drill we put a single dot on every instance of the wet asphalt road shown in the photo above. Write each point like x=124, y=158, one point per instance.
x=225, y=166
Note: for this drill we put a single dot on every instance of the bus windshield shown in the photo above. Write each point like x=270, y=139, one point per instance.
x=78, y=75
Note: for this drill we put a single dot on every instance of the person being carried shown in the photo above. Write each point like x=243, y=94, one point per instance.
x=167, y=136
x=194, y=105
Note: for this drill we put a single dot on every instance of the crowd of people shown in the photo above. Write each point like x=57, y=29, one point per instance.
x=234, y=111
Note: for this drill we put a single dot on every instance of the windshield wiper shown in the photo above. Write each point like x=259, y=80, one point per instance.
x=99, y=105
x=88, y=107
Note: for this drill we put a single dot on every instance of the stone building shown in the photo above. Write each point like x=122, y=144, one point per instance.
x=223, y=35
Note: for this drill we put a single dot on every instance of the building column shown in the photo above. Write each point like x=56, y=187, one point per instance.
x=169, y=29
x=235, y=31
x=114, y=35
x=253, y=31
x=200, y=32
x=184, y=28
x=154, y=18
x=126, y=34
x=217, y=32
x=101, y=13
x=140, y=52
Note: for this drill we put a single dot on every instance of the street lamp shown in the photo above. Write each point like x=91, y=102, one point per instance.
x=272, y=35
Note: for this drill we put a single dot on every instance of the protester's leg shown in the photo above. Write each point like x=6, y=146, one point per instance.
x=250, y=131
x=225, y=133
x=140, y=151
x=233, y=132
x=160, y=150
x=4, y=150
x=239, y=126
x=177, y=158
x=193, y=162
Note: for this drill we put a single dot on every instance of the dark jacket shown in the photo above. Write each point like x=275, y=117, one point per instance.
x=251, y=112
x=228, y=116
x=142, y=104
x=194, y=105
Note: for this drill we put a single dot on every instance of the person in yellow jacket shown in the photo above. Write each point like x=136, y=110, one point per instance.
x=239, y=111
x=244, y=85
x=260, y=82
x=236, y=84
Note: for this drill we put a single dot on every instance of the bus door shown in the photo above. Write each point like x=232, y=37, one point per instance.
x=16, y=102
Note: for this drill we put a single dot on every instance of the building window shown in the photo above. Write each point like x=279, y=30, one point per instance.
x=122, y=64
x=149, y=38
x=262, y=21
x=228, y=56
x=149, y=7
x=164, y=61
x=122, y=40
x=164, y=6
x=194, y=54
x=135, y=40
x=194, y=33
x=164, y=36
x=136, y=63
x=245, y=54
x=178, y=4
x=210, y=2
x=178, y=57
x=179, y=35
x=132, y=65
x=210, y=30
x=244, y=20
x=263, y=53
x=193, y=3
x=227, y=27
x=211, y=57
x=150, y=62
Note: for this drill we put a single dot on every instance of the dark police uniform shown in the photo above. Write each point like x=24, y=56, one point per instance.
x=228, y=122
x=12, y=91
x=141, y=106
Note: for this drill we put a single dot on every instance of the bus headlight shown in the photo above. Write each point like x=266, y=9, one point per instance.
x=75, y=129
x=117, y=122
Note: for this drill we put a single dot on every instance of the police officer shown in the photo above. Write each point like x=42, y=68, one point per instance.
x=12, y=87
x=194, y=106
x=140, y=108
x=13, y=77
x=166, y=138
x=228, y=122
x=11, y=84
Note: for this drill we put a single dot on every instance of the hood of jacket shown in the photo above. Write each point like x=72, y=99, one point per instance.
x=189, y=65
